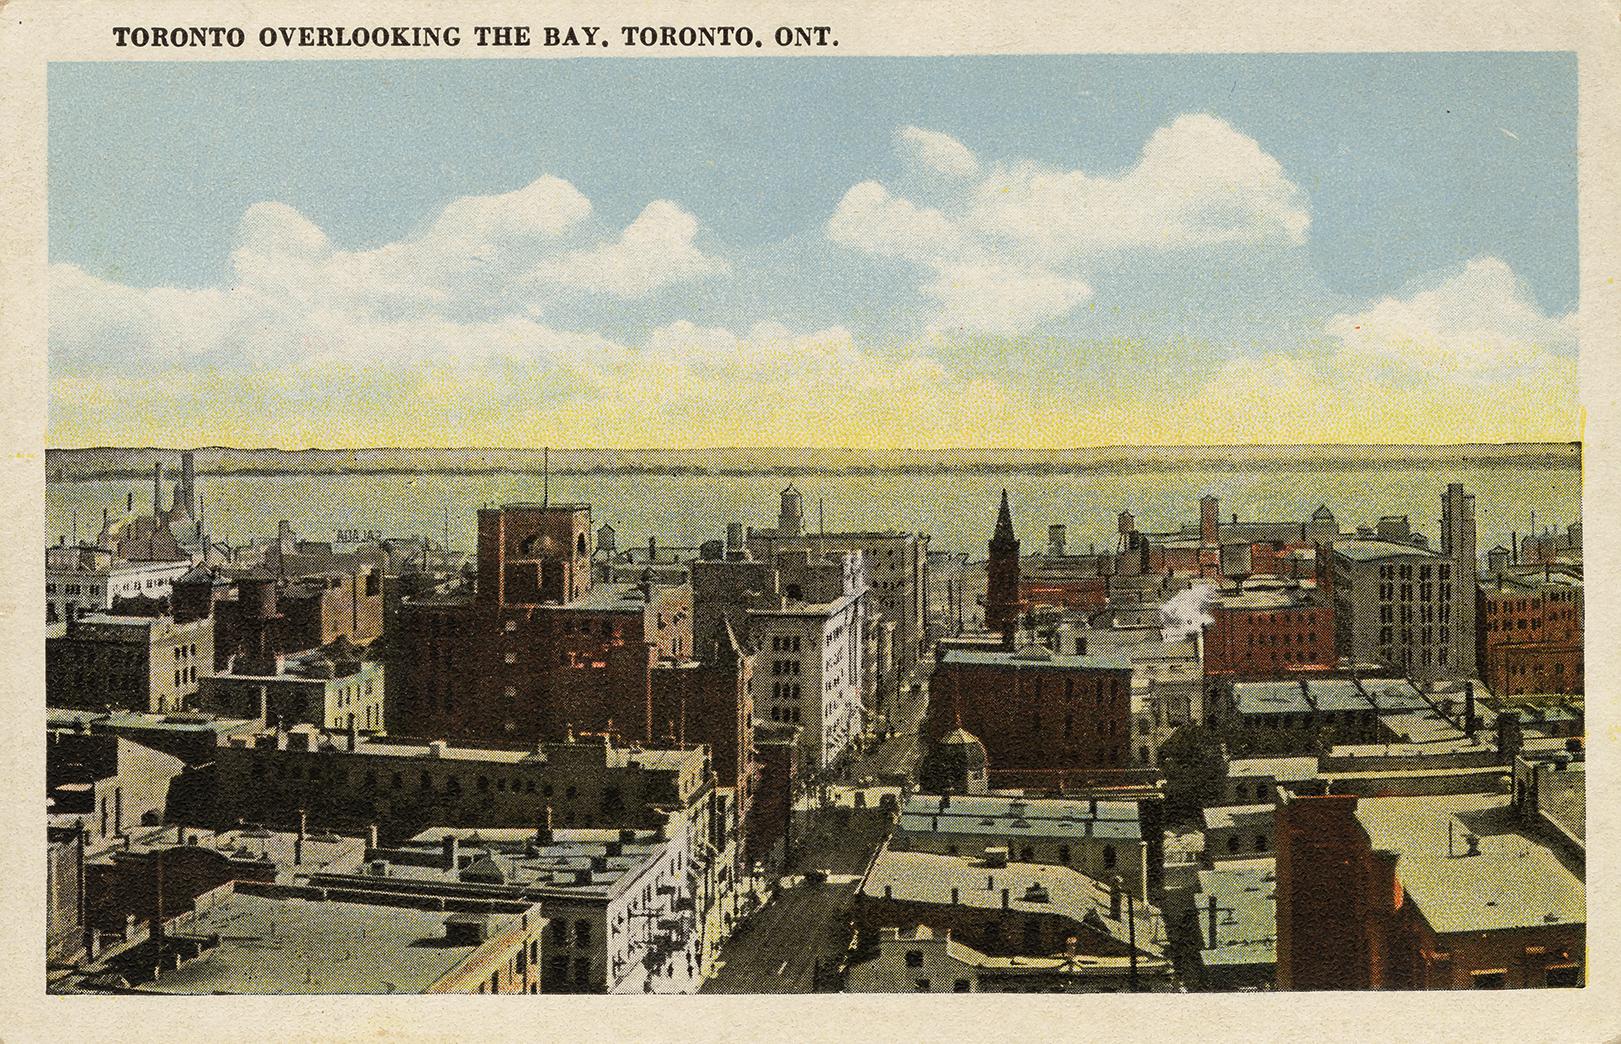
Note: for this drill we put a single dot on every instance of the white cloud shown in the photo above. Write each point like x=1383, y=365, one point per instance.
x=940, y=153
x=1012, y=249
x=871, y=220
x=657, y=249
x=1001, y=299
x=1479, y=319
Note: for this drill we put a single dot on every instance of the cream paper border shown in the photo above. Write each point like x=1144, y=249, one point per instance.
x=33, y=32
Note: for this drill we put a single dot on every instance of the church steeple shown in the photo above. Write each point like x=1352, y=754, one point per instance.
x=1003, y=536
x=1002, y=603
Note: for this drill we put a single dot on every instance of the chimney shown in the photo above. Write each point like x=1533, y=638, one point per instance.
x=354, y=735
x=371, y=836
x=734, y=536
x=1469, y=709
x=157, y=489
x=1114, y=896
x=955, y=895
x=264, y=705
x=450, y=851
x=1005, y=898
x=1213, y=921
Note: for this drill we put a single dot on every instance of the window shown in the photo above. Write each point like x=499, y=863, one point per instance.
x=1565, y=976
x=914, y=958
x=1260, y=842
x=582, y=933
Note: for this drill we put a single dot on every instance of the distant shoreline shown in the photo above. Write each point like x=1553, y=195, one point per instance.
x=118, y=463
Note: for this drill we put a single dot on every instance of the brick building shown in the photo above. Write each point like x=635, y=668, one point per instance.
x=1266, y=632
x=1445, y=892
x=258, y=614
x=402, y=787
x=1530, y=631
x=537, y=647
x=145, y=663
x=1035, y=709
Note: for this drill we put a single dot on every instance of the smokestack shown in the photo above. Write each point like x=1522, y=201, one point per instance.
x=1469, y=709
x=371, y=837
x=1114, y=896
x=1212, y=916
x=157, y=489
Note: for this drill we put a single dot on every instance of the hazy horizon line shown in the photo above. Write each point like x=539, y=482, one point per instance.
x=1124, y=447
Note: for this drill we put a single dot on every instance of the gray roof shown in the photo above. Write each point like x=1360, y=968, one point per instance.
x=1025, y=659
x=996, y=816
x=1373, y=550
x=1246, y=913
x=301, y=946
x=920, y=877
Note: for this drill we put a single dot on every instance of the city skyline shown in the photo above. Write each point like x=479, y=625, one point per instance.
x=923, y=267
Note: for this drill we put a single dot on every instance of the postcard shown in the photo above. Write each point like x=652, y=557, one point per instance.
x=808, y=508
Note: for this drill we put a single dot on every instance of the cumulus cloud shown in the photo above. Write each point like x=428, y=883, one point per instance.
x=939, y=153
x=1011, y=246
x=658, y=248
x=1475, y=321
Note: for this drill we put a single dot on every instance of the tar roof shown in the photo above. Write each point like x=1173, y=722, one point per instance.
x=300, y=946
x=1515, y=882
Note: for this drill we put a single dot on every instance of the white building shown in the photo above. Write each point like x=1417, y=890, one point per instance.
x=808, y=670
x=85, y=579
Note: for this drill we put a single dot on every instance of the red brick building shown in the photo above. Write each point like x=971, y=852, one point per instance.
x=258, y=613
x=1401, y=893
x=1268, y=632
x=537, y=648
x=1529, y=635
x=1034, y=709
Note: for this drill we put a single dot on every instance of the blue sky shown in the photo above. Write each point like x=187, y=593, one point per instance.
x=1419, y=189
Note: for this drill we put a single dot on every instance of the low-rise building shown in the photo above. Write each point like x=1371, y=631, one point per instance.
x=1267, y=631
x=1006, y=908
x=1530, y=631
x=921, y=960
x=403, y=787
x=1236, y=910
x=1100, y=838
x=105, y=785
x=1436, y=892
x=1237, y=832
x=266, y=939
x=85, y=578
x=335, y=686
x=144, y=663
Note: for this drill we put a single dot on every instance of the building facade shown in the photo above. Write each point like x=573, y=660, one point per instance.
x=144, y=663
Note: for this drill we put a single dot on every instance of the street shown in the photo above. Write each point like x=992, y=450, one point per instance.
x=777, y=949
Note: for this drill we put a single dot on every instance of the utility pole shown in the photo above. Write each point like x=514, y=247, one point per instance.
x=1131, y=938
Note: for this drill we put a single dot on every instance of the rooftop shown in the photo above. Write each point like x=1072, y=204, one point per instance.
x=274, y=945
x=1227, y=817
x=1037, y=657
x=1515, y=882
x=1283, y=770
x=997, y=816
x=1373, y=550
x=919, y=877
x=1246, y=913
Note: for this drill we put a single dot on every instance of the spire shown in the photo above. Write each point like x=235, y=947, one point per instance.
x=1004, y=524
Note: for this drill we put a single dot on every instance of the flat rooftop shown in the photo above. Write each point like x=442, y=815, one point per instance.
x=1283, y=770
x=1037, y=657
x=1245, y=891
x=1361, y=550
x=1515, y=882
x=304, y=946
x=920, y=877
x=997, y=816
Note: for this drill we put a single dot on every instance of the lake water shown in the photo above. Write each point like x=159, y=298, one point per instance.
x=957, y=508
